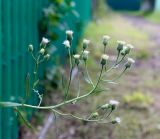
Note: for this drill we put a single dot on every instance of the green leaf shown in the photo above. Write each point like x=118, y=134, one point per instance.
x=27, y=85
x=99, y=90
x=9, y=104
x=24, y=120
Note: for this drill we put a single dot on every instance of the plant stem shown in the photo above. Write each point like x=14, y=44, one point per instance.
x=70, y=75
x=88, y=74
x=65, y=102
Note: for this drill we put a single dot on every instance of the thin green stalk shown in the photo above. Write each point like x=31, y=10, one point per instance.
x=74, y=116
x=70, y=75
x=89, y=78
x=65, y=102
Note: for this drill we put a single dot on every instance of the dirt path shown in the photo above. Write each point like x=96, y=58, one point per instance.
x=153, y=63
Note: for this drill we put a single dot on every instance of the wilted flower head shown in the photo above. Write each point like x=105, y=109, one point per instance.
x=45, y=41
x=120, y=45
x=66, y=44
x=85, y=43
x=104, y=59
x=117, y=120
x=130, y=61
x=106, y=39
x=69, y=35
x=85, y=55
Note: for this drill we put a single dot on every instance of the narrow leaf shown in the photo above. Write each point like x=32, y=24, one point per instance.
x=24, y=120
x=27, y=85
x=9, y=104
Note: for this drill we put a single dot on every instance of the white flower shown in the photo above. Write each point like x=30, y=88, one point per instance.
x=67, y=44
x=121, y=42
x=113, y=102
x=105, y=57
x=130, y=46
x=130, y=60
x=69, y=32
x=45, y=41
x=118, y=120
x=76, y=56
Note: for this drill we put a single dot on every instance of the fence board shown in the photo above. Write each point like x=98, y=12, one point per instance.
x=0, y=70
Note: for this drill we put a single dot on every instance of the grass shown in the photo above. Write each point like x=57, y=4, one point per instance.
x=153, y=17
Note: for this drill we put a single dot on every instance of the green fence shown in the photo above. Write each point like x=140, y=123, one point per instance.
x=19, y=27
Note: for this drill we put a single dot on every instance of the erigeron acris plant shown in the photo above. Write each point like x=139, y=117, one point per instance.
x=75, y=60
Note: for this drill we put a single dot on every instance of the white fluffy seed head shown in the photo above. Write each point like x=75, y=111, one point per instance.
x=69, y=32
x=45, y=41
x=105, y=57
x=130, y=60
x=130, y=46
x=86, y=52
x=121, y=42
x=86, y=42
x=113, y=102
x=76, y=56
x=106, y=37
x=66, y=44
x=118, y=120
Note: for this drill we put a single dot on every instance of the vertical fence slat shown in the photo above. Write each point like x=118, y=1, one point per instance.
x=0, y=70
x=6, y=84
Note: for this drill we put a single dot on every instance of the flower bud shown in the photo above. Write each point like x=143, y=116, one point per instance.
x=104, y=59
x=77, y=58
x=105, y=106
x=30, y=48
x=85, y=43
x=44, y=41
x=47, y=56
x=42, y=51
x=130, y=61
x=66, y=44
x=94, y=115
x=113, y=104
x=120, y=45
x=105, y=40
x=117, y=120
x=126, y=49
x=85, y=55
x=69, y=35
